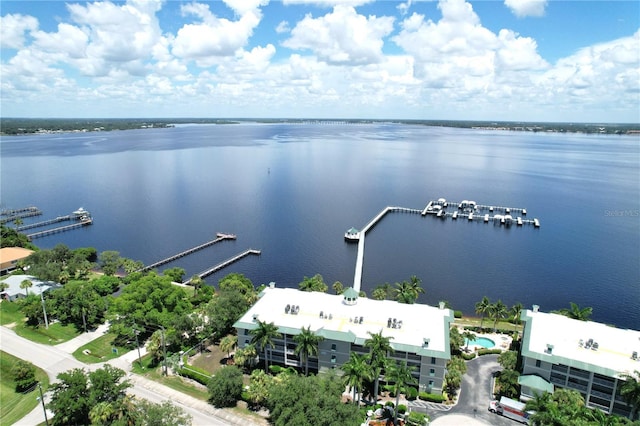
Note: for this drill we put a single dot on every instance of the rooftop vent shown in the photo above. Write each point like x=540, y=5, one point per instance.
x=255, y=317
x=549, y=349
x=321, y=314
x=272, y=284
x=441, y=305
x=425, y=342
x=287, y=309
x=634, y=355
x=536, y=308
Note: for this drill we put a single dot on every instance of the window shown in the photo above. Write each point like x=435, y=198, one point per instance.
x=246, y=331
x=433, y=360
x=538, y=363
x=333, y=359
x=333, y=347
x=432, y=372
x=430, y=385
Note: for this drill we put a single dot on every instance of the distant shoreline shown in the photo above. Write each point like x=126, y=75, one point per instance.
x=31, y=126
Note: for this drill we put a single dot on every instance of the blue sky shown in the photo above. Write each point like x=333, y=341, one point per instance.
x=535, y=60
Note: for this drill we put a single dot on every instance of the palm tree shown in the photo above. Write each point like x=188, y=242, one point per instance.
x=227, y=344
x=196, y=282
x=514, y=313
x=356, y=370
x=263, y=337
x=338, y=287
x=404, y=293
x=414, y=283
x=102, y=413
x=26, y=285
x=468, y=337
x=498, y=311
x=379, y=347
x=630, y=390
x=307, y=345
x=482, y=308
x=401, y=375
x=575, y=312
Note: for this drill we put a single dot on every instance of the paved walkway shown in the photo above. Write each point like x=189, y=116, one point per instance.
x=70, y=346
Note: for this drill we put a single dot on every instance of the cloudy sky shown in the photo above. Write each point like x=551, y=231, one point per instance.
x=534, y=60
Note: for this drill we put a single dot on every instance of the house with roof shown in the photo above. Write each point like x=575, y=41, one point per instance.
x=14, y=291
x=10, y=256
x=586, y=356
x=419, y=334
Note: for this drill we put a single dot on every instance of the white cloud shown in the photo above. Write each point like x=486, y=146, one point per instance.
x=283, y=27
x=215, y=36
x=523, y=8
x=13, y=29
x=329, y=3
x=342, y=36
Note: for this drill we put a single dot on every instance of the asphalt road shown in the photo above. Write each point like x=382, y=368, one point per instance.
x=55, y=360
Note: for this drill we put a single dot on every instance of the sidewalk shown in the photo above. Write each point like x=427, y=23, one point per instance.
x=71, y=345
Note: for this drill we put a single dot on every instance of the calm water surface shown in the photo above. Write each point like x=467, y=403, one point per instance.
x=293, y=190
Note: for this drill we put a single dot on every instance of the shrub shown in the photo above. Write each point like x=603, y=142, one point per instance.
x=402, y=408
x=489, y=351
x=275, y=369
x=412, y=393
x=468, y=357
x=431, y=397
x=199, y=375
x=389, y=404
x=24, y=375
x=457, y=314
x=225, y=388
x=416, y=419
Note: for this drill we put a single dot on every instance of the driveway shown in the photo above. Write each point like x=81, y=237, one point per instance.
x=474, y=397
x=54, y=360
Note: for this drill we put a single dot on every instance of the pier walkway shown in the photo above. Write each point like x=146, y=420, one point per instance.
x=81, y=223
x=224, y=264
x=465, y=209
x=220, y=237
x=44, y=223
x=11, y=215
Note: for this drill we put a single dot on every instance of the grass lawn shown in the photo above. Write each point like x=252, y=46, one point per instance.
x=10, y=313
x=56, y=333
x=15, y=405
x=154, y=372
x=501, y=326
x=101, y=349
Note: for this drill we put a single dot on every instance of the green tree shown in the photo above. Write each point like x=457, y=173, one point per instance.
x=414, y=283
x=245, y=357
x=225, y=308
x=514, y=313
x=307, y=345
x=404, y=293
x=379, y=293
x=102, y=413
x=176, y=274
x=400, y=375
x=130, y=266
x=630, y=391
x=338, y=287
x=483, y=307
x=9, y=237
x=356, y=370
x=455, y=340
x=240, y=284
x=70, y=398
x=497, y=311
x=379, y=346
x=263, y=336
x=78, y=303
x=110, y=261
x=163, y=414
x=315, y=283
x=508, y=383
x=196, y=282
x=227, y=343
x=24, y=375
x=508, y=360
x=468, y=337
x=576, y=312
x=225, y=388
x=26, y=285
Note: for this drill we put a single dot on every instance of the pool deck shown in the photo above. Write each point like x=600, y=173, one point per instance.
x=502, y=341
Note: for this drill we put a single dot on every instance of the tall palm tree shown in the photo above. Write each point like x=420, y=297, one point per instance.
x=414, y=283
x=356, y=370
x=468, y=337
x=498, y=311
x=514, y=313
x=263, y=337
x=196, y=282
x=26, y=285
x=576, y=312
x=338, y=287
x=307, y=345
x=482, y=308
x=404, y=293
x=227, y=343
x=378, y=346
x=401, y=375
x=630, y=390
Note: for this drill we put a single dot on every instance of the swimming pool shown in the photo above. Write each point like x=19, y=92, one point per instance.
x=485, y=342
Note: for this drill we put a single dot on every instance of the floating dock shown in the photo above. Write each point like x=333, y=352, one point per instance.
x=220, y=237
x=11, y=215
x=224, y=264
x=464, y=209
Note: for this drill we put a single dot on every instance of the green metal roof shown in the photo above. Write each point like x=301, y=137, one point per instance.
x=535, y=382
x=350, y=293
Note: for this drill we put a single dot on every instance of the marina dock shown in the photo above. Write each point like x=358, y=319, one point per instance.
x=226, y=263
x=45, y=222
x=220, y=237
x=11, y=215
x=441, y=209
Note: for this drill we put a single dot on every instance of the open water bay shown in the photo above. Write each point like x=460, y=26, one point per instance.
x=292, y=191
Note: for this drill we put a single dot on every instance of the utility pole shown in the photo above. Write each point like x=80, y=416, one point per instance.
x=46, y=420
x=84, y=319
x=164, y=351
x=44, y=309
x=135, y=331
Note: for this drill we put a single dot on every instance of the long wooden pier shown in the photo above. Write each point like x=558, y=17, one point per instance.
x=220, y=237
x=44, y=223
x=226, y=263
x=46, y=232
x=20, y=213
x=12, y=212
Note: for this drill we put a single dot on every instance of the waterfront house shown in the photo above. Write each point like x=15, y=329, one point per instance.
x=10, y=256
x=419, y=333
x=586, y=356
x=14, y=292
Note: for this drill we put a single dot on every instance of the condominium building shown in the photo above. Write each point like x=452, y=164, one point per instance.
x=419, y=334
x=585, y=356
